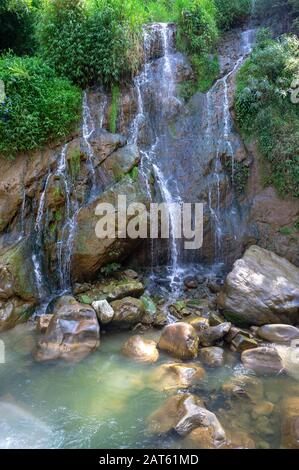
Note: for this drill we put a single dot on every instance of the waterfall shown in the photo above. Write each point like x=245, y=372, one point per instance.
x=164, y=100
x=88, y=129
x=221, y=138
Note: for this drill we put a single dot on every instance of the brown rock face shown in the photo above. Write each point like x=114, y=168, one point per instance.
x=90, y=253
x=180, y=340
x=140, y=349
x=176, y=376
x=261, y=289
x=263, y=361
x=73, y=333
x=183, y=413
x=290, y=423
x=214, y=334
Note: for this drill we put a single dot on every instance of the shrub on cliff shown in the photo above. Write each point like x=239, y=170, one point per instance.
x=88, y=42
x=231, y=13
x=37, y=107
x=265, y=110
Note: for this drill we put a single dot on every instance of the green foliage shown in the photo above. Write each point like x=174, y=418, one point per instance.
x=16, y=25
x=265, y=111
x=85, y=299
x=89, y=42
x=113, y=112
x=38, y=106
x=231, y=13
x=110, y=269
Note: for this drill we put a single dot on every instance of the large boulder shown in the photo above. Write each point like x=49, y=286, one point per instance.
x=183, y=413
x=263, y=361
x=214, y=334
x=18, y=293
x=180, y=340
x=140, y=349
x=278, y=333
x=212, y=357
x=122, y=161
x=72, y=334
x=262, y=288
x=111, y=289
x=91, y=252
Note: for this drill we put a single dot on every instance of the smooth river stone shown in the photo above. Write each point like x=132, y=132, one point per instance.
x=278, y=333
x=263, y=361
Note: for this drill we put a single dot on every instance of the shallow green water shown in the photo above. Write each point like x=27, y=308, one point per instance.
x=104, y=401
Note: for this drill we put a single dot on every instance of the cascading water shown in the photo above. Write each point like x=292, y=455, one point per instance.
x=164, y=100
x=223, y=141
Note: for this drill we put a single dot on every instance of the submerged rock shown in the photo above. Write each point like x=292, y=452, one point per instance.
x=43, y=323
x=183, y=413
x=278, y=333
x=175, y=376
x=212, y=357
x=73, y=332
x=263, y=361
x=140, y=349
x=290, y=423
x=214, y=334
x=180, y=340
x=262, y=288
x=244, y=386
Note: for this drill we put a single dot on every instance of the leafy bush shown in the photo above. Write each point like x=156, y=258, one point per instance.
x=232, y=13
x=38, y=105
x=264, y=108
x=89, y=42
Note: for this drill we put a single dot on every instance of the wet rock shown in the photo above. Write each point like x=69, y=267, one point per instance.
x=210, y=336
x=244, y=386
x=13, y=312
x=122, y=161
x=131, y=274
x=91, y=252
x=104, y=144
x=261, y=289
x=214, y=286
x=150, y=310
x=199, y=323
x=104, y=311
x=176, y=376
x=73, y=332
x=180, y=340
x=140, y=349
x=262, y=360
x=234, y=331
x=290, y=423
x=241, y=343
x=127, y=312
x=183, y=413
x=161, y=318
x=239, y=440
x=112, y=290
x=264, y=408
x=43, y=323
x=200, y=438
x=191, y=282
x=278, y=333
x=215, y=319
x=212, y=357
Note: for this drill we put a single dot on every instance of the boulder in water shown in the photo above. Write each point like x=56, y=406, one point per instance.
x=212, y=357
x=244, y=387
x=176, y=376
x=73, y=332
x=263, y=361
x=140, y=349
x=262, y=288
x=278, y=333
x=183, y=413
x=180, y=340
x=43, y=323
x=214, y=334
